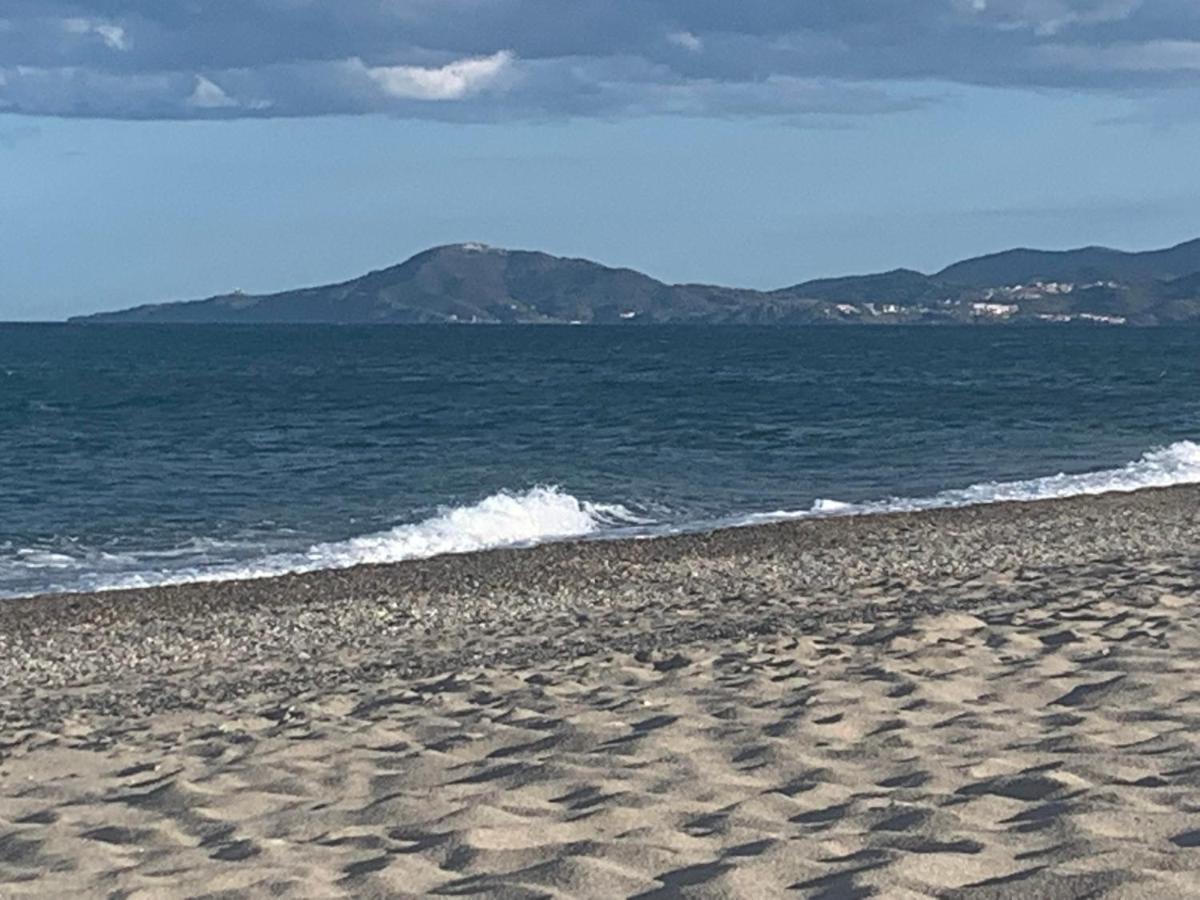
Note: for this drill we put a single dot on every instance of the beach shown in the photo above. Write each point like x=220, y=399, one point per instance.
x=987, y=701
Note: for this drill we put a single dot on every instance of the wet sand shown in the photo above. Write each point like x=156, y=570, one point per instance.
x=995, y=701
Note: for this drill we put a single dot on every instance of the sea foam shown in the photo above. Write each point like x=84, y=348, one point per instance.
x=504, y=519
x=1178, y=463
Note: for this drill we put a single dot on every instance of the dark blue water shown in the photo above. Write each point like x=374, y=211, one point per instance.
x=150, y=453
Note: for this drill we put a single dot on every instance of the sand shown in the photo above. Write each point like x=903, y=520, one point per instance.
x=989, y=702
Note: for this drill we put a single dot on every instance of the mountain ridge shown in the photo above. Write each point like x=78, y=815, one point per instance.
x=477, y=283
x=1025, y=264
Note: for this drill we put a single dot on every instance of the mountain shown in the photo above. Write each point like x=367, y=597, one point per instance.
x=896, y=286
x=1088, y=264
x=1187, y=287
x=475, y=283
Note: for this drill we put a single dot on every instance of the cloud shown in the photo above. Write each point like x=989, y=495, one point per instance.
x=686, y=40
x=452, y=81
x=1164, y=56
x=482, y=60
x=113, y=36
x=1049, y=17
x=207, y=95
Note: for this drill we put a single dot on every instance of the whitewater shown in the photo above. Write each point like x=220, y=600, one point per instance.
x=543, y=514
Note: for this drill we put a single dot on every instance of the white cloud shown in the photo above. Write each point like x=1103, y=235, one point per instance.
x=208, y=95
x=686, y=40
x=113, y=36
x=450, y=82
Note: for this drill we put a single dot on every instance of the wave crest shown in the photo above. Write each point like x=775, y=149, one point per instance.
x=501, y=520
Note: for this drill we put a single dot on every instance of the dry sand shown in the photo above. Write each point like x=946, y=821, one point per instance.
x=991, y=702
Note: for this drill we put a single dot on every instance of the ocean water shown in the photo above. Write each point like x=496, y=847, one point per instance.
x=145, y=454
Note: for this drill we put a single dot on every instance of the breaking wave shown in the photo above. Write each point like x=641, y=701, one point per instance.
x=502, y=520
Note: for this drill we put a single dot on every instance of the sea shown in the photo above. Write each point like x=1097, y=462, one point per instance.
x=146, y=455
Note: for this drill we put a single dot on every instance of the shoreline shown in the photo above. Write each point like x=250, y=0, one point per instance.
x=680, y=542
x=423, y=617
x=713, y=534
x=1166, y=465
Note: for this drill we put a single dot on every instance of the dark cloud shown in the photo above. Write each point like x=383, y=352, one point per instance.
x=494, y=59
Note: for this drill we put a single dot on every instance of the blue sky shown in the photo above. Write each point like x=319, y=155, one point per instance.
x=168, y=150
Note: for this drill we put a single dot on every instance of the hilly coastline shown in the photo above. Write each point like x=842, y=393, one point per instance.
x=474, y=283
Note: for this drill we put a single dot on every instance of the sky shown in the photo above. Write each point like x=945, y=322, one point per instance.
x=173, y=149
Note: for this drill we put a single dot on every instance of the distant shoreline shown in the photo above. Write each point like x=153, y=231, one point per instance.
x=82, y=323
